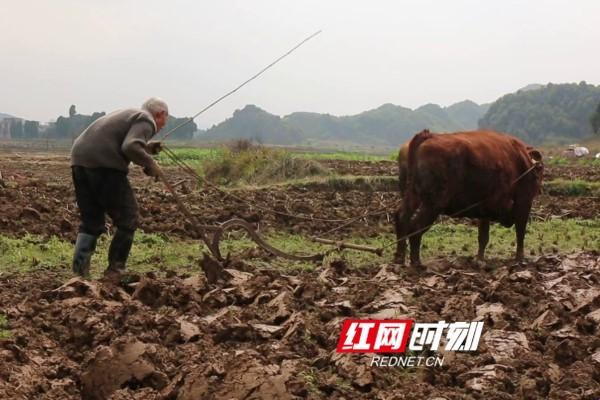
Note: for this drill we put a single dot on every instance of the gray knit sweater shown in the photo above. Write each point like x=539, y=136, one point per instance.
x=115, y=140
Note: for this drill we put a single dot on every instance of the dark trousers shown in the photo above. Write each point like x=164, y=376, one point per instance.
x=101, y=191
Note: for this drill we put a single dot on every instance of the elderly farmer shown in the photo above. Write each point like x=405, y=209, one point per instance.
x=100, y=161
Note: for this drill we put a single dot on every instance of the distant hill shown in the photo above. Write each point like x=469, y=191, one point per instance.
x=467, y=113
x=531, y=86
x=388, y=124
x=554, y=113
x=253, y=123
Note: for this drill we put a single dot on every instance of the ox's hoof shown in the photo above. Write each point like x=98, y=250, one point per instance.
x=400, y=261
x=521, y=262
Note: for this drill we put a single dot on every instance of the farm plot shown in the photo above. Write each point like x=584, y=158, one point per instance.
x=269, y=328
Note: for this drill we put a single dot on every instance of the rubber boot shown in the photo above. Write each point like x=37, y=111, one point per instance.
x=84, y=248
x=118, y=252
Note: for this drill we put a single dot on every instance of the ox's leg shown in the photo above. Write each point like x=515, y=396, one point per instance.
x=403, y=221
x=483, y=237
x=421, y=222
x=522, y=209
x=400, y=222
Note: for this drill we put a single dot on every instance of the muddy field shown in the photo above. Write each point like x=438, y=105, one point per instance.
x=266, y=334
x=40, y=199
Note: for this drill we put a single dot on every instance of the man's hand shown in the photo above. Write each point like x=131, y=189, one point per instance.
x=154, y=147
x=153, y=170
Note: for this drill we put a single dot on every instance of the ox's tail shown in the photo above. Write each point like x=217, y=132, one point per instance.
x=416, y=141
x=412, y=150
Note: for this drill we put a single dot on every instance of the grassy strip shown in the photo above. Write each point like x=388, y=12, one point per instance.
x=555, y=187
x=151, y=252
x=343, y=156
x=198, y=156
x=575, y=187
x=259, y=165
x=160, y=252
x=192, y=156
x=584, y=161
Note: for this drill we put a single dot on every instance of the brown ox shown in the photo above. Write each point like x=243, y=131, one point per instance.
x=465, y=174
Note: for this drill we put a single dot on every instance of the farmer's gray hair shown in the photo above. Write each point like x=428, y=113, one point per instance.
x=154, y=105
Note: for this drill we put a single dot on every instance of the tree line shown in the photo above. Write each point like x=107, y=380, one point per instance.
x=554, y=113
x=70, y=127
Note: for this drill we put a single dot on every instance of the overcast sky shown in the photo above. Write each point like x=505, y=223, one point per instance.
x=104, y=55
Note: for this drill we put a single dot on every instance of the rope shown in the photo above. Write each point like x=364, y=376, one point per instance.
x=239, y=87
x=430, y=225
x=353, y=220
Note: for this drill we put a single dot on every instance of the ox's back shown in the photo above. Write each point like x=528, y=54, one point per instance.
x=452, y=171
x=482, y=174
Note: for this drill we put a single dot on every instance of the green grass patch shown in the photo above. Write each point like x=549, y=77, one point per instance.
x=192, y=156
x=33, y=251
x=242, y=163
x=344, y=156
x=309, y=376
x=198, y=155
x=259, y=165
x=159, y=253
x=557, y=161
x=384, y=183
x=5, y=333
x=575, y=187
x=562, y=161
x=543, y=237
x=151, y=252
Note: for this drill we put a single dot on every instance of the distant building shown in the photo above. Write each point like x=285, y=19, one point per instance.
x=11, y=127
x=4, y=129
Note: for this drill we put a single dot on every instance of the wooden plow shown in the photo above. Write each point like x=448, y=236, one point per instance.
x=211, y=235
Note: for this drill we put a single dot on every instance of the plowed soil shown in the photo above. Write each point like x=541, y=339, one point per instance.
x=268, y=334
x=264, y=334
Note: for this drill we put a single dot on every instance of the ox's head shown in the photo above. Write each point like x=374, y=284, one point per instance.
x=537, y=162
x=535, y=157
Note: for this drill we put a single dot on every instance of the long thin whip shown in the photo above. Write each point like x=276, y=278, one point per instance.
x=239, y=87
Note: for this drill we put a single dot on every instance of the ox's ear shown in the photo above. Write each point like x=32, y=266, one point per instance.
x=535, y=155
